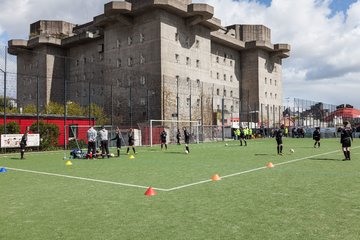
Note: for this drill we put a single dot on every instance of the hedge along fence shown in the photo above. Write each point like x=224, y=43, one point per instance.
x=11, y=128
x=49, y=135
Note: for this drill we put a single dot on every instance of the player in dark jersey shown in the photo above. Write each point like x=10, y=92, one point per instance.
x=163, y=135
x=316, y=136
x=242, y=137
x=187, y=140
x=131, y=141
x=117, y=138
x=346, y=139
x=279, y=133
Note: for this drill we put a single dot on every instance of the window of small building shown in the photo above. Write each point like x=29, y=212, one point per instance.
x=142, y=80
x=130, y=61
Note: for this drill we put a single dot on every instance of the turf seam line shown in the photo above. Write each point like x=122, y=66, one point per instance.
x=83, y=178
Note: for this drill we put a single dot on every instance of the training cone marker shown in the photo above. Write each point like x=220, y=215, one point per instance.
x=216, y=177
x=3, y=170
x=68, y=163
x=150, y=192
x=131, y=157
x=270, y=165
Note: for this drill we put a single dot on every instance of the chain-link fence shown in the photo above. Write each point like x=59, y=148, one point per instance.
x=132, y=92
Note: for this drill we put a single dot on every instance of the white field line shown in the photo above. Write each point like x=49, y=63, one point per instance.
x=250, y=170
x=83, y=178
x=174, y=188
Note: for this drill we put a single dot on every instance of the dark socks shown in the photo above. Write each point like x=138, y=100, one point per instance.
x=348, y=154
x=345, y=154
x=118, y=153
x=187, y=148
x=278, y=149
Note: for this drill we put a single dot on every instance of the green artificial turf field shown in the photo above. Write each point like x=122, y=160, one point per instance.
x=308, y=194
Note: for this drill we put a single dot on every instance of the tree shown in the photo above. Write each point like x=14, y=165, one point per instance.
x=31, y=108
x=49, y=134
x=99, y=114
x=54, y=108
x=11, y=128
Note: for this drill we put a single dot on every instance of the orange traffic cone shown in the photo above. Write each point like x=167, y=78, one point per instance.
x=270, y=165
x=150, y=192
x=216, y=177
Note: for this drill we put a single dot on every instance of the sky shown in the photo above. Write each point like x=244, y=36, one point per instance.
x=324, y=62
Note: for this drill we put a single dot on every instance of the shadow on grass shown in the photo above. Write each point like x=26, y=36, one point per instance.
x=15, y=158
x=169, y=152
x=263, y=154
x=326, y=159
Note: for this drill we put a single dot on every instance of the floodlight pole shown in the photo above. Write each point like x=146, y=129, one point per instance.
x=4, y=72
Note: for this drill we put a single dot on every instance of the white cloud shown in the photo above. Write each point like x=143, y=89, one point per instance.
x=324, y=55
x=324, y=44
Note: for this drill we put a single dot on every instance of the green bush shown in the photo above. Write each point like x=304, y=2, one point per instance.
x=49, y=135
x=11, y=128
x=72, y=144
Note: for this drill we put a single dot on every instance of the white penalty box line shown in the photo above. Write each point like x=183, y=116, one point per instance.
x=174, y=188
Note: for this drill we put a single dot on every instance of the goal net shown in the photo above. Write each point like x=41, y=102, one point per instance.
x=171, y=127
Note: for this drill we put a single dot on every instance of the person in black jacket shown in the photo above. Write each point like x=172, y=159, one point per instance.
x=131, y=141
x=345, y=140
x=163, y=136
x=178, y=136
x=316, y=137
x=279, y=133
x=117, y=138
x=23, y=143
x=187, y=140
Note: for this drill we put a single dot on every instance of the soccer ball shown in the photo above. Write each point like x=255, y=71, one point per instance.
x=226, y=144
x=292, y=150
x=186, y=152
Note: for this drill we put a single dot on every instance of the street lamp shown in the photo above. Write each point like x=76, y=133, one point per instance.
x=4, y=72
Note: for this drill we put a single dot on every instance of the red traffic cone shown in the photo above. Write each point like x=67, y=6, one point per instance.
x=270, y=165
x=150, y=192
x=216, y=177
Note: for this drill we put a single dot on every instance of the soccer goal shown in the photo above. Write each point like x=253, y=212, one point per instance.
x=171, y=127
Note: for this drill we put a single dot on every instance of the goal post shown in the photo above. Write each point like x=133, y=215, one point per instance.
x=172, y=126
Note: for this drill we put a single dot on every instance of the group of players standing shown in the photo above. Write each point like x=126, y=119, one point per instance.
x=163, y=136
x=345, y=139
x=104, y=142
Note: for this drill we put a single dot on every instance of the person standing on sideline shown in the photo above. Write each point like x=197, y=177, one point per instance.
x=163, y=136
x=345, y=140
x=187, y=139
x=104, y=141
x=242, y=137
x=178, y=136
x=316, y=136
x=91, y=136
x=131, y=140
x=279, y=133
x=118, y=140
x=23, y=143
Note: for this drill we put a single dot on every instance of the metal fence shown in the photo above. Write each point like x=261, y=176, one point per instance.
x=132, y=94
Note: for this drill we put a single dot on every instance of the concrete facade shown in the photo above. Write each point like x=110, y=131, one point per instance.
x=153, y=59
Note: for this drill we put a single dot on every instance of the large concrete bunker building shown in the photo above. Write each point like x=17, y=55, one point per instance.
x=153, y=59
